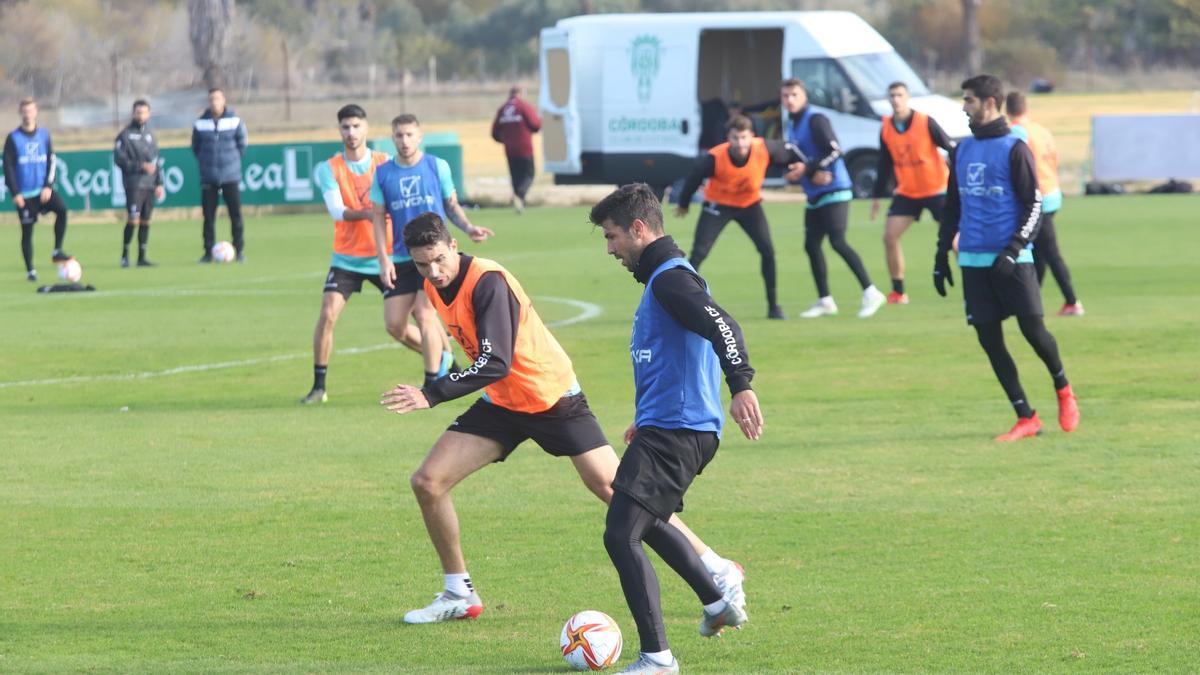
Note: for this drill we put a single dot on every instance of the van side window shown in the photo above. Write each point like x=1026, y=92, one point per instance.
x=827, y=85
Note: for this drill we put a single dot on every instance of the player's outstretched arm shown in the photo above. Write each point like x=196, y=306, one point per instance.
x=455, y=212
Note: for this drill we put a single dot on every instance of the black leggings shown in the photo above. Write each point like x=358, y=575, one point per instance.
x=1045, y=252
x=714, y=218
x=208, y=204
x=520, y=171
x=830, y=221
x=629, y=524
x=33, y=208
x=991, y=338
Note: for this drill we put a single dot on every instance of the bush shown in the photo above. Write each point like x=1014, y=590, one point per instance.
x=1019, y=60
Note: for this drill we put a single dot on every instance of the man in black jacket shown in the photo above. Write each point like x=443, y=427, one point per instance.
x=136, y=155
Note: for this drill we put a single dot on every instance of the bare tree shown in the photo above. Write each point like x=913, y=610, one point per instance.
x=972, y=45
x=210, y=28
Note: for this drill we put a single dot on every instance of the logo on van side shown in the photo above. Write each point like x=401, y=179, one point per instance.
x=644, y=63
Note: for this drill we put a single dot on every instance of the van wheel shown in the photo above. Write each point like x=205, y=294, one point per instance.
x=862, y=174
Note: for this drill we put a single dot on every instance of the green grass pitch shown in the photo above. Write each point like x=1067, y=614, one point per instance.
x=167, y=506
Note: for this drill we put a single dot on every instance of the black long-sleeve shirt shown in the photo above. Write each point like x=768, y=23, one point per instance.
x=1023, y=176
x=497, y=314
x=886, y=164
x=782, y=154
x=684, y=295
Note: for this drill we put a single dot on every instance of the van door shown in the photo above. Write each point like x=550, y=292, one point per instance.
x=556, y=100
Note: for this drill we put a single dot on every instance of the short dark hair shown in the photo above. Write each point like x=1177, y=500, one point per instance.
x=985, y=87
x=140, y=102
x=635, y=201
x=897, y=85
x=792, y=82
x=739, y=123
x=351, y=110
x=1015, y=102
x=216, y=89
x=404, y=118
x=426, y=229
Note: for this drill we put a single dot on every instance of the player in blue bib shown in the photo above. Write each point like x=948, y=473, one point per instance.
x=29, y=174
x=410, y=184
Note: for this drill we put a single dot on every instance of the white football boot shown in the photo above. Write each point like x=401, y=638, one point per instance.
x=447, y=607
x=822, y=307
x=644, y=666
x=872, y=300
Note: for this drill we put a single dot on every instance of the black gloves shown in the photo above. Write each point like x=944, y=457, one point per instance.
x=941, y=272
x=1005, y=264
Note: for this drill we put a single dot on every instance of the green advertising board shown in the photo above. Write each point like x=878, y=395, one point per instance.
x=271, y=175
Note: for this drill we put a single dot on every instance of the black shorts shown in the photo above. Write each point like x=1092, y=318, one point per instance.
x=139, y=204
x=907, y=206
x=348, y=283
x=567, y=429
x=989, y=300
x=408, y=280
x=660, y=465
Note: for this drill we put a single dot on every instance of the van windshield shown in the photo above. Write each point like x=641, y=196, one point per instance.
x=874, y=72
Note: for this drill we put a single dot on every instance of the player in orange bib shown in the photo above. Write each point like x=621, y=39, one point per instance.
x=530, y=392
x=344, y=181
x=735, y=171
x=908, y=151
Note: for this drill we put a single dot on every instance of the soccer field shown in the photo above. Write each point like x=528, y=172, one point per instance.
x=167, y=506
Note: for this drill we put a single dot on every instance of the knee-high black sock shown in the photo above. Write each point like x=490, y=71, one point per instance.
x=991, y=338
x=1034, y=330
x=126, y=237
x=319, y=372
x=143, y=238
x=60, y=230
x=27, y=245
x=625, y=526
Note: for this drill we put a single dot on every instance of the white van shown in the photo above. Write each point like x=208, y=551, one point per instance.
x=628, y=97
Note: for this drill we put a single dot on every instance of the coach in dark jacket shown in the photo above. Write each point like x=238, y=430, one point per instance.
x=218, y=141
x=135, y=153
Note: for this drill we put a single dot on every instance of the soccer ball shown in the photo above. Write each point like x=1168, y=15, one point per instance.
x=223, y=252
x=70, y=270
x=591, y=640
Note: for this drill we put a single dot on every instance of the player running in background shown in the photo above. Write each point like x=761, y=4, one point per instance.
x=1045, y=157
x=682, y=341
x=994, y=205
x=29, y=173
x=908, y=150
x=828, y=189
x=135, y=152
x=530, y=392
x=344, y=181
x=411, y=184
x=735, y=171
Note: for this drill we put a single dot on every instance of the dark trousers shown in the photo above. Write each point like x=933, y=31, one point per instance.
x=714, y=218
x=1046, y=253
x=521, y=170
x=991, y=338
x=233, y=202
x=28, y=216
x=830, y=221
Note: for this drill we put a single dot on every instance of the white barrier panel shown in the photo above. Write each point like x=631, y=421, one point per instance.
x=1145, y=147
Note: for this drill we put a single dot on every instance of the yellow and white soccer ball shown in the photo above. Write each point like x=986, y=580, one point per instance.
x=70, y=270
x=223, y=252
x=591, y=640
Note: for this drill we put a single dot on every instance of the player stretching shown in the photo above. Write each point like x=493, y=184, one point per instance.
x=908, y=149
x=1045, y=158
x=994, y=205
x=530, y=392
x=828, y=189
x=735, y=171
x=345, y=183
x=412, y=184
x=682, y=340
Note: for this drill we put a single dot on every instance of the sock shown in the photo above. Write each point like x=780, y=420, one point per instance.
x=459, y=584
x=128, y=237
x=714, y=563
x=869, y=288
x=717, y=607
x=663, y=658
x=1022, y=408
x=826, y=299
x=143, y=237
x=1060, y=379
x=898, y=286
x=319, y=376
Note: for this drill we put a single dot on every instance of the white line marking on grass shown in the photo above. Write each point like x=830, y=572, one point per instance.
x=587, y=311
